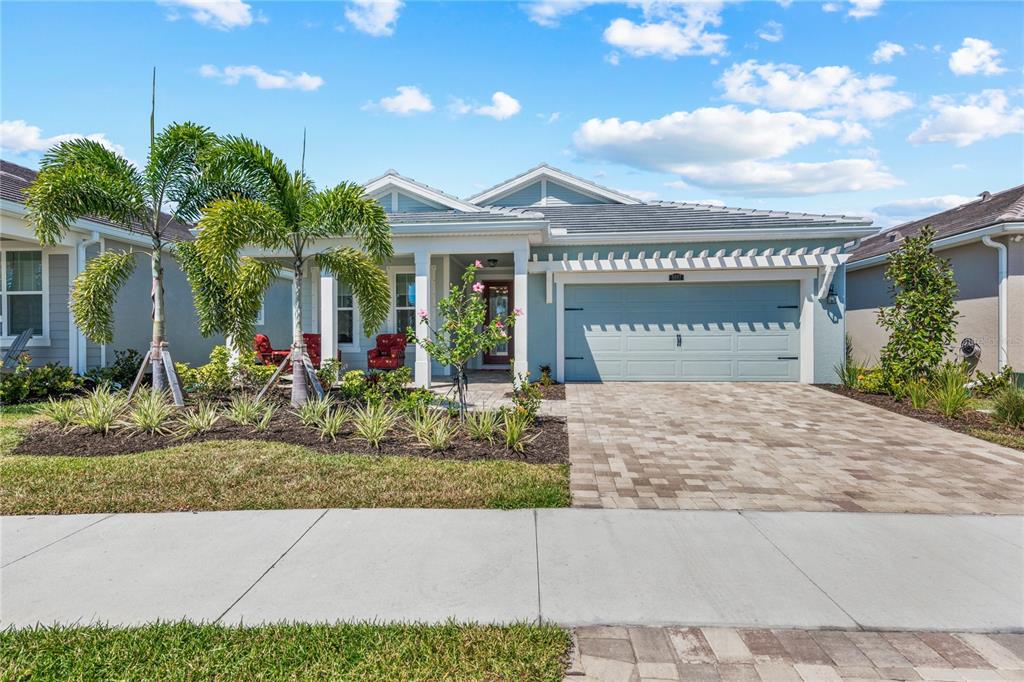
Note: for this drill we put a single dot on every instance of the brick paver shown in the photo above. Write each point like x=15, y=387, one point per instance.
x=610, y=654
x=773, y=447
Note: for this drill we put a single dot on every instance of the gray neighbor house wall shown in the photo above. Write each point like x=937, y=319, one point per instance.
x=975, y=267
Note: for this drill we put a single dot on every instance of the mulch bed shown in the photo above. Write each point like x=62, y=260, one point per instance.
x=547, y=392
x=550, y=447
x=964, y=423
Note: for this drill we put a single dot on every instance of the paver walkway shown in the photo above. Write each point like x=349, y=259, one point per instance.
x=774, y=447
x=620, y=654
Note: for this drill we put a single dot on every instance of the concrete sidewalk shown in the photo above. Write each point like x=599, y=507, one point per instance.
x=568, y=566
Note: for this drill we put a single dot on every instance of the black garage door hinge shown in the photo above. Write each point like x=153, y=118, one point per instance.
x=788, y=357
x=573, y=357
x=573, y=309
x=787, y=306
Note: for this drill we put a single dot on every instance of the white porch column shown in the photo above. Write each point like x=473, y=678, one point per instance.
x=520, y=298
x=422, y=303
x=559, y=332
x=328, y=317
x=807, y=305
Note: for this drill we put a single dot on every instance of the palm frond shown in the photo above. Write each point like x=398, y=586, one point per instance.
x=80, y=178
x=173, y=173
x=228, y=225
x=346, y=211
x=94, y=293
x=368, y=280
x=257, y=173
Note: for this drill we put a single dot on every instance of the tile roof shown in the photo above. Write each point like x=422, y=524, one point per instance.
x=672, y=216
x=14, y=179
x=1006, y=206
x=489, y=214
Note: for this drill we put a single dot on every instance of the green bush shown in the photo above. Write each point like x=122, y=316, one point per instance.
x=848, y=373
x=374, y=422
x=482, y=424
x=100, y=409
x=353, y=384
x=199, y=419
x=919, y=393
x=332, y=423
x=416, y=399
x=121, y=372
x=871, y=380
x=313, y=411
x=988, y=385
x=217, y=378
x=515, y=429
x=62, y=412
x=327, y=373
x=151, y=412
x=949, y=388
x=32, y=384
x=1009, y=407
x=246, y=410
x=526, y=397
x=440, y=435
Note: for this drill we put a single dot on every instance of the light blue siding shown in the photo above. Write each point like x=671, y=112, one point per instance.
x=408, y=204
x=527, y=196
x=541, y=327
x=534, y=194
x=560, y=194
x=58, y=349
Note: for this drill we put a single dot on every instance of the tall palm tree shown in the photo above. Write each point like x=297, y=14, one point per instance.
x=82, y=178
x=282, y=212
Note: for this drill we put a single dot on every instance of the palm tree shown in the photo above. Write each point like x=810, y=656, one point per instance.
x=82, y=178
x=282, y=212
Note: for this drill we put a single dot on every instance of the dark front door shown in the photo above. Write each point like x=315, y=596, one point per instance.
x=498, y=296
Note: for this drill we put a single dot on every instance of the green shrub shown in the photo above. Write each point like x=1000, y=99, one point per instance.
x=373, y=423
x=62, y=412
x=1009, y=407
x=440, y=435
x=919, y=393
x=353, y=384
x=151, y=412
x=246, y=409
x=390, y=384
x=332, y=423
x=482, y=425
x=31, y=384
x=423, y=420
x=199, y=419
x=848, y=373
x=413, y=400
x=515, y=429
x=526, y=397
x=218, y=377
x=327, y=372
x=871, y=380
x=949, y=388
x=988, y=385
x=313, y=411
x=100, y=409
x=545, y=376
x=121, y=372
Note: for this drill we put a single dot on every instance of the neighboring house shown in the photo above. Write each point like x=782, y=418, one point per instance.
x=611, y=287
x=35, y=284
x=984, y=242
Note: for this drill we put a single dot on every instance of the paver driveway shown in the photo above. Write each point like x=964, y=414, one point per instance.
x=775, y=447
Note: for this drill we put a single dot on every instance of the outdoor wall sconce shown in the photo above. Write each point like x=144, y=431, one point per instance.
x=831, y=297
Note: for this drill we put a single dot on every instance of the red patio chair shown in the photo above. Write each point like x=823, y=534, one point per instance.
x=312, y=342
x=389, y=353
x=266, y=353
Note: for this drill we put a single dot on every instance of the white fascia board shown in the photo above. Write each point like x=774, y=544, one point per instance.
x=84, y=225
x=421, y=191
x=558, y=235
x=482, y=227
x=558, y=176
x=946, y=243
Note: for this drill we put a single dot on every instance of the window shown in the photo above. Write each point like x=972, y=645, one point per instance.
x=261, y=316
x=405, y=301
x=346, y=314
x=22, y=293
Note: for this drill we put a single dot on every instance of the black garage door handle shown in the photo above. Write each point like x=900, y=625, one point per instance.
x=787, y=357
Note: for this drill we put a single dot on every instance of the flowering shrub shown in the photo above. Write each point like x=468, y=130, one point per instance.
x=463, y=331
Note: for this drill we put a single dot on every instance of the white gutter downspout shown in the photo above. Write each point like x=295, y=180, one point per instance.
x=1003, y=316
x=80, y=355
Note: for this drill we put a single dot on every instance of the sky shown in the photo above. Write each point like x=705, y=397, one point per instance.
x=889, y=110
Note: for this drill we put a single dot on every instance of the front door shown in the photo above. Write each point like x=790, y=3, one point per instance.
x=498, y=296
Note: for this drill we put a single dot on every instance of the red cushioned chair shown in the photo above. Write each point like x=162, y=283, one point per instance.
x=265, y=352
x=389, y=353
x=312, y=342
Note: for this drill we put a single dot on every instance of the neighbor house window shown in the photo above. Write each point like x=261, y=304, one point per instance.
x=405, y=301
x=22, y=293
x=346, y=313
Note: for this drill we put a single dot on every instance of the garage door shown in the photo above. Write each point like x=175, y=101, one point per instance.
x=682, y=332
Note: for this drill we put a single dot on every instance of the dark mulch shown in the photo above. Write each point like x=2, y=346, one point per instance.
x=547, y=392
x=550, y=447
x=966, y=422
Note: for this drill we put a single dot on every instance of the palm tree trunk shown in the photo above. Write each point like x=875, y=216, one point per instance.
x=300, y=388
x=157, y=344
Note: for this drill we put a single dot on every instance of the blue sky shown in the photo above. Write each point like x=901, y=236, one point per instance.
x=881, y=108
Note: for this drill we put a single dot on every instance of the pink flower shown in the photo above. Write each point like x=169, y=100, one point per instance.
x=502, y=333
x=478, y=264
x=498, y=324
x=423, y=314
x=478, y=287
x=517, y=312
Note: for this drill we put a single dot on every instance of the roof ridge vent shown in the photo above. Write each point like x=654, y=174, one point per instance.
x=894, y=235
x=985, y=196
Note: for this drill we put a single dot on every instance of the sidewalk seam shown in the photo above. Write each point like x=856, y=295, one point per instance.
x=271, y=566
x=800, y=569
x=536, y=554
x=60, y=539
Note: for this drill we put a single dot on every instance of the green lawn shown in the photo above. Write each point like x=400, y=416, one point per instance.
x=244, y=474
x=182, y=651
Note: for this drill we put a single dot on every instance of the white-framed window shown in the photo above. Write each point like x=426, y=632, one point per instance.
x=262, y=315
x=403, y=292
x=348, y=316
x=23, y=293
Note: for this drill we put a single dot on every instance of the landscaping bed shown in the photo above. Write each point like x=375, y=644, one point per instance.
x=350, y=651
x=547, y=391
x=551, y=445
x=970, y=422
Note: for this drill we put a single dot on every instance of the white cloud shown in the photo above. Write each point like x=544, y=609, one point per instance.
x=864, y=8
x=548, y=119
x=670, y=30
x=831, y=7
x=18, y=137
x=374, y=17
x=502, y=106
x=612, y=58
x=985, y=115
x=409, y=100
x=459, y=107
x=911, y=209
x=771, y=31
x=959, y=167
x=760, y=178
x=976, y=56
x=886, y=51
x=222, y=15
x=264, y=80
x=833, y=90
x=641, y=194
x=549, y=13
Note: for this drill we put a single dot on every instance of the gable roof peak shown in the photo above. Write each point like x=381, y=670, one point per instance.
x=545, y=170
x=392, y=178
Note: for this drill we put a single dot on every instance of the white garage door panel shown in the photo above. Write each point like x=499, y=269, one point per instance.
x=682, y=332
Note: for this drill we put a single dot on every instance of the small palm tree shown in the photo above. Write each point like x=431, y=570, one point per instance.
x=82, y=178
x=282, y=212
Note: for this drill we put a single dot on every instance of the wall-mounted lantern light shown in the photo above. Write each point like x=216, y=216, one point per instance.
x=491, y=262
x=832, y=297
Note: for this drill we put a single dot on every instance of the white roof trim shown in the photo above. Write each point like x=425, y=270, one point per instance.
x=720, y=260
x=561, y=177
x=392, y=179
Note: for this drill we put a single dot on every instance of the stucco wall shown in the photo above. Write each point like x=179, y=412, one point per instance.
x=975, y=267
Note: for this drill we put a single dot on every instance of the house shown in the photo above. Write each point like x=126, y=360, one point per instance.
x=35, y=284
x=984, y=242
x=611, y=287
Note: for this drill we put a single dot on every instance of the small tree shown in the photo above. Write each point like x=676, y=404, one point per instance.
x=922, y=319
x=464, y=332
